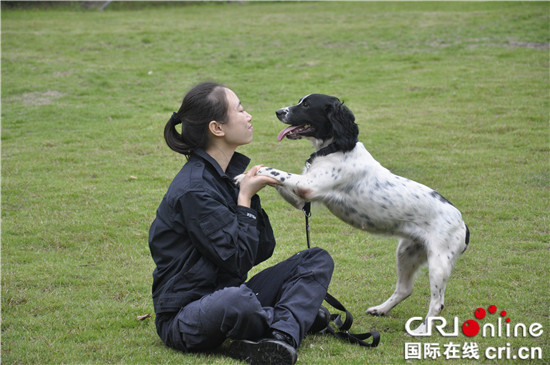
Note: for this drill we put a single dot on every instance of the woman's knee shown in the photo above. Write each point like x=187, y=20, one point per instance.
x=319, y=263
x=320, y=258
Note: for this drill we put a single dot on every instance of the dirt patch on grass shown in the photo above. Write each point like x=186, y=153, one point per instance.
x=37, y=97
x=530, y=45
x=507, y=42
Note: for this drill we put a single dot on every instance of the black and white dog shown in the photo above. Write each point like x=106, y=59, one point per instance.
x=344, y=176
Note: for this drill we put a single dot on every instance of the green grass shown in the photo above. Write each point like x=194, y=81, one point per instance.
x=454, y=95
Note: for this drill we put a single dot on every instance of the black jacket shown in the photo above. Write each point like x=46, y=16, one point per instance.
x=201, y=240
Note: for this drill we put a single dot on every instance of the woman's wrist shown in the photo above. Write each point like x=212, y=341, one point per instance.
x=244, y=200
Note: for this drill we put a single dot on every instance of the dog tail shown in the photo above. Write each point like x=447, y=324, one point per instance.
x=467, y=240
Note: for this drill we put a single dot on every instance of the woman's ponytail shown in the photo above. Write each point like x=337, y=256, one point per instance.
x=173, y=138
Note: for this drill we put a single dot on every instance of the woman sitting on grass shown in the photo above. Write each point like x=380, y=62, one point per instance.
x=208, y=234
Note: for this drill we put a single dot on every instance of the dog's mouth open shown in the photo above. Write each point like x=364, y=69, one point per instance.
x=294, y=132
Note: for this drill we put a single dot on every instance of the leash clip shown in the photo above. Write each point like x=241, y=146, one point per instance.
x=307, y=209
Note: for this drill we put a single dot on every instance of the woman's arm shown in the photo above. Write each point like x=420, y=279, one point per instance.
x=227, y=236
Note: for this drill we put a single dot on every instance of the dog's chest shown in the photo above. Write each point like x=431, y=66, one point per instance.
x=345, y=187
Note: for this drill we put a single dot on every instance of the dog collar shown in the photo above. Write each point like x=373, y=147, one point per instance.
x=331, y=148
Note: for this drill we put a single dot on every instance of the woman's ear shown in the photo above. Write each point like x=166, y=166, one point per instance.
x=216, y=129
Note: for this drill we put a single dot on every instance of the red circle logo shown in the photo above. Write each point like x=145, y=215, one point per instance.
x=470, y=328
x=479, y=313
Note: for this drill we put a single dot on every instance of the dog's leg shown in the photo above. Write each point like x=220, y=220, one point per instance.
x=295, y=188
x=440, y=265
x=289, y=189
x=285, y=178
x=288, y=194
x=410, y=255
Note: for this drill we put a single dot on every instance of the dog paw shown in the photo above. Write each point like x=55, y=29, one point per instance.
x=267, y=171
x=376, y=311
x=237, y=180
x=421, y=330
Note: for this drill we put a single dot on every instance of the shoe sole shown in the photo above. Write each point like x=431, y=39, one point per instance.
x=266, y=352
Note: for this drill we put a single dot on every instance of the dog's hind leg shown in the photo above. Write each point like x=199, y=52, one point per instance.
x=410, y=255
x=440, y=267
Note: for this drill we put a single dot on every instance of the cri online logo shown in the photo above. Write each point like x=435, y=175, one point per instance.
x=471, y=327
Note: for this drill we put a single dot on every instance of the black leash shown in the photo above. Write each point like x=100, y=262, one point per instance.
x=307, y=211
x=341, y=329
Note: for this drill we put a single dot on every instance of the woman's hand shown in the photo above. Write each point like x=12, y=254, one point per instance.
x=251, y=184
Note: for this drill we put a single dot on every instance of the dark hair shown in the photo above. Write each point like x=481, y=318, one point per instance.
x=202, y=104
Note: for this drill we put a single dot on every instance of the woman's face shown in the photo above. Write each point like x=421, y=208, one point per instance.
x=238, y=129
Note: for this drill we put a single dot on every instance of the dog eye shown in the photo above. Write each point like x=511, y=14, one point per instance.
x=305, y=104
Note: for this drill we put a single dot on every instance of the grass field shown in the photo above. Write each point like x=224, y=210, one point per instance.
x=454, y=95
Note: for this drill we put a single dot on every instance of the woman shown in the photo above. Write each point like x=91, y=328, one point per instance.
x=208, y=234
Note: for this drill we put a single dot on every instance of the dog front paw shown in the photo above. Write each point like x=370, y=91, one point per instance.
x=237, y=180
x=266, y=171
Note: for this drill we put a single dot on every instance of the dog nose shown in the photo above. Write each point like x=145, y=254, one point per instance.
x=281, y=112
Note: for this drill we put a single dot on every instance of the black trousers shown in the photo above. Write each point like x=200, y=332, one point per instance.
x=285, y=297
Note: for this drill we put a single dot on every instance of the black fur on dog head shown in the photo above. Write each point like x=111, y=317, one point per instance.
x=321, y=118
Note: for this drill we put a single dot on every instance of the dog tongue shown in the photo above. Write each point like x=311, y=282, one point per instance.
x=284, y=132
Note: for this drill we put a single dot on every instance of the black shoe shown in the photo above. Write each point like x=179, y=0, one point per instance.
x=263, y=352
x=321, y=321
x=284, y=337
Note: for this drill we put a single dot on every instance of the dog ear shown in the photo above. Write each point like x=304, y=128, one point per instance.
x=345, y=130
